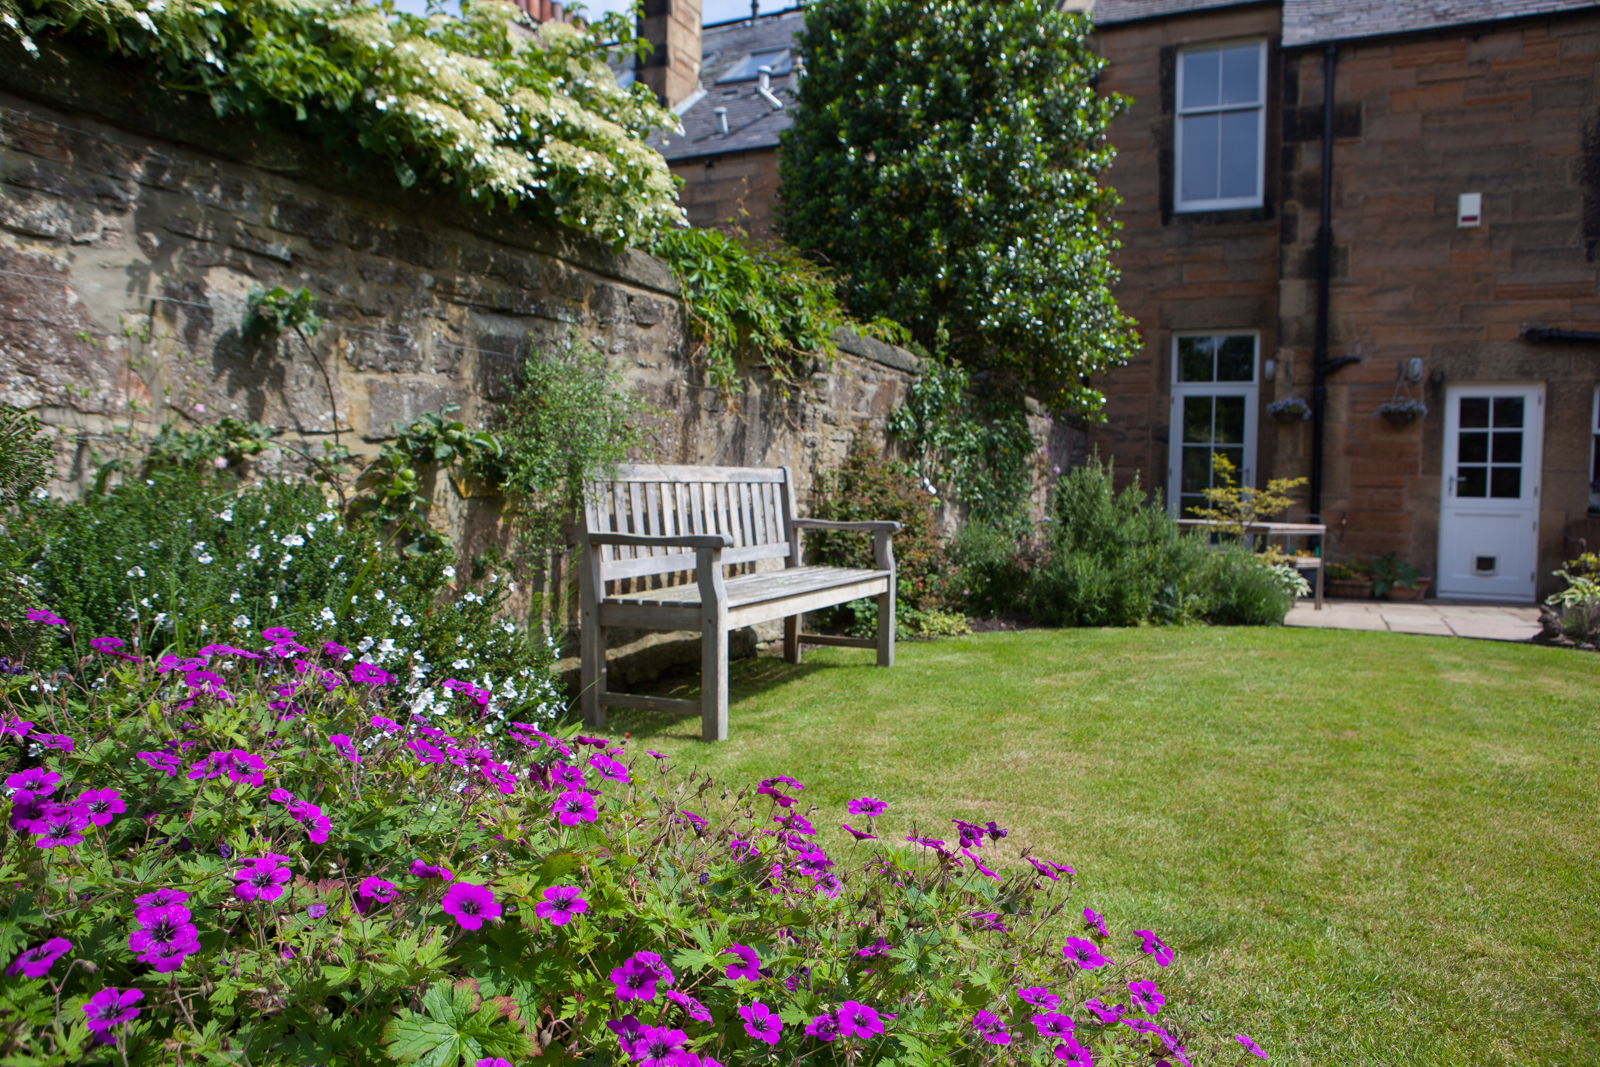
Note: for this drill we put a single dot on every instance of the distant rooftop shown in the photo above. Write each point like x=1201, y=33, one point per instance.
x=1308, y=22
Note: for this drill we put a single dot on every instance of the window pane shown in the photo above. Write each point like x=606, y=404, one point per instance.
x=1189, y=505
x=1195, y=358
x=1236, y=457
x=1472, y=481
x=1505, y=482
x=1196, y=474
x=1230, y=420
x=1241, y=75
x=1473, y=448
x=1508, y=447
x=1236, y=359
x=1197, y=419
x=1241, y=165
x=1508, y=411
x=1198, y=177
x=1200, y=79
x=1475, y=411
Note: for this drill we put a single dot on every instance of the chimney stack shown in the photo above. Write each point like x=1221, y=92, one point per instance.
x=672, y=69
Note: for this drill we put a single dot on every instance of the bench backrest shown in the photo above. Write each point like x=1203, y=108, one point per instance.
x=752, y=505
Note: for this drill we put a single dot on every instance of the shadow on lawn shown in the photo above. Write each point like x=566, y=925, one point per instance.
x=746, y=678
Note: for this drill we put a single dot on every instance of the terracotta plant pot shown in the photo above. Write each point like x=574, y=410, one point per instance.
x=1350, y=588
x=1397, y=593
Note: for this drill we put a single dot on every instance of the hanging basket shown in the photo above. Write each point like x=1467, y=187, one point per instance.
x=1402, y=412
x=1290, y=409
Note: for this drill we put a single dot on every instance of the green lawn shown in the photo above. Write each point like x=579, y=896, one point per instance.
x=1367, y=848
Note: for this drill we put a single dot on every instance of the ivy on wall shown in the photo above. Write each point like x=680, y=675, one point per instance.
x=504, y=117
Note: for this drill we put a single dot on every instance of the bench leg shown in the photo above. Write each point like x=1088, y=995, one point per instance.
x=592, y=650
x=886, y=629
x=791, y=638
x=714, y=684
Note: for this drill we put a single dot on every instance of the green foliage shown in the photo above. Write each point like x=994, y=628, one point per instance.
x=501, y=115
x=1579, y=602
x=228, y=439
x=338, y=786
x=1234, y=507
x=946, y=159
x=980, y=449
x=993, y=569
x=26, y=458
x=1237, y=589
x=272, y=311
x=394, y=486
x=1389, y=572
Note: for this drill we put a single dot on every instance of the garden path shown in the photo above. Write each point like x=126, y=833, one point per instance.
x=1490, y=622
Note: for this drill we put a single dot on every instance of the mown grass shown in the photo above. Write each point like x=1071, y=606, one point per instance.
x=1367, y=848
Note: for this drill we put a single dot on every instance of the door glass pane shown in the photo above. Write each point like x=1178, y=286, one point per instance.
x=1507, y=447
x=1200, y=147
x=1474, y=411
x=1229, y=426
x=1200, y=79
x=1236, y=359
x=1237, y=151
x=1197, y=419
x=1472, y=481
x=1507, y=411
x=1505, y=482
x=1473, y=448
x=1236, y=457
x=1241, y=75
x=1195, y=358
x=1196, y=473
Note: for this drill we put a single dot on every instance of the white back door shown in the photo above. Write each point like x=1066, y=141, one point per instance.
x=1489, y=518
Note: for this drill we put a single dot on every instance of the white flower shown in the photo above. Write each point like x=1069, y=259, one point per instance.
x=291, y=540
x=205, y=557
x=461, y=665
x=40, y=493
x=234, y=599
x=326, y=516
x=386, y=646
x=273, y=599
x=254, y=553
x=378, y=595
x=405, y=620
x=198, y=548
x=508, y=626
x=135, y=572
x=327, y=614
x=364, y=644
x=449, y=571
x=226, y=515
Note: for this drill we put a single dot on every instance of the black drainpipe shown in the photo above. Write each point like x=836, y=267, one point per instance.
x=1319, y=360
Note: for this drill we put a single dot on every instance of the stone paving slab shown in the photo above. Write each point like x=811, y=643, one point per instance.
x=1440, y=618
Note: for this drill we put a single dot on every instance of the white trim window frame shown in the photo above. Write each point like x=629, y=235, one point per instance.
x=1212, y=138
x=1212, y=410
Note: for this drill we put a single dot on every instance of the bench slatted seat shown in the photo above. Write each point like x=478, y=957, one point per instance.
x=655, y=543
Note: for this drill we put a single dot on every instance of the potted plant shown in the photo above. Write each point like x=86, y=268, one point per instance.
x=1289, y=409
x=1401, y=412
x=1351, y=580
x=1396, y=580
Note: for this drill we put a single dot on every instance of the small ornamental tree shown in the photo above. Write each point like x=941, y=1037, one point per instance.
x=946, y=157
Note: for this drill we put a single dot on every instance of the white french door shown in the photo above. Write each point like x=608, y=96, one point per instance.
x=1489, y=516
x=1214, y=394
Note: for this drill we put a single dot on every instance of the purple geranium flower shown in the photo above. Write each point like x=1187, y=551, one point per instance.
x=367, y=674
x=823, y=1028
x=859, y=835
x=14, y=725
x=374, y=890
x=388, y=726
x=471, y=904
x=424, y=870
x=278, y=633
x=111, y=646
x=691, y=1007
x=310, y=816
x=991, y=1028
x=61, y=741
x=1093, y=921
x=35, y=781
x=46, y=617
x=880, y=949
x=1145, y=997
x=761, y=1022
x=1154, y=946
x=425, y=752
x=161, y=898
x=749, y=965
x=1084, y=953
x=658, y=1046
x=561, y=904
x=1039, y=997
x=986, y=872
x=162, y=761
x=336, y=651
x=993, y=832
x=610, y=768
x=101, y=805
x=1073, y=1054
x=37, y=961
x=164, y=937
x=575, y=806
x=971, y=834
x=61, y=826
x=1250, y=1046
x=261, y=879
x=345, y=747
x=858, y=1020
x=112, y=1007
x=565, y=774
x=871, y=807
x=635, y=980
x=1052, y=1024
x=1107, y=1015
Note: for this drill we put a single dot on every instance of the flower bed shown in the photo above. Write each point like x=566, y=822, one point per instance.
x=263, y=855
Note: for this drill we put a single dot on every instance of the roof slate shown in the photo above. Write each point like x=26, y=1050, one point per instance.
x=1317, y=21
x=1111, y=12
x=752, y=123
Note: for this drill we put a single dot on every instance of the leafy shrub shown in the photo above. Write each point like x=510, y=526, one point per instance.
x=185, y=559
x=268, y=860
x=1234, y=589
x=1579, y=602
x=26, y=458
x=993, y=569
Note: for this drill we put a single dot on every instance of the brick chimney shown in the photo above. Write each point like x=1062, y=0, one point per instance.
x=672, y=69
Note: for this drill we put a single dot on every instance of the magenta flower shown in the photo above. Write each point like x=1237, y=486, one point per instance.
x=658, y=1046
x=871, y=807
x=768, y=788
x=567, y=775
x=1250, y=1046
x=561, y=904
x=472, y=905
x=46, y=617
x=182, y=664
x=164, y=937
x=986, y=872
x=991, y=1028
x=1093, y=921
x=573, y=807
x=61, y=741
x=345, y=747
x=858, y=1020
x=880, y=949
x=35, y=781
x=1154, y=946
x=236, y=763
x=425, y=752
x=101, y=805
x=993, y=832
x=229, y=650
x=635, y=980
x=1107, y=1015
x=1052, y=1024
x=388, y=726
x=278, y=633
x=310, y=816
x=1145, y=997
x=610, y=768
x=161, y=761
x=15, y=725
x=37, y=961
x=374, y=890
x=367, y=674
x=334, y=650
x=749, y=965
x=859, y=835
x=111, y=646
x=261, y=879
x=691, y=1007
x=492, y=1061
x=628, y=1030
x=761, y=1022
x=1039, y=997
x=1046, y=869
x=281, y=796
x=1084, y=953
x=823, y=1028
x=971, y=834
x=1073, y=1054
x=161, y=898
x=111, y=1007
x=424, y=870
x=61, y=826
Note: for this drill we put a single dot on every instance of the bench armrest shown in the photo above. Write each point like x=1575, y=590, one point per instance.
x=859, y=527
x=696, y=541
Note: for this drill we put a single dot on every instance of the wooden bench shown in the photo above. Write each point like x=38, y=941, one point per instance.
x=655, y=543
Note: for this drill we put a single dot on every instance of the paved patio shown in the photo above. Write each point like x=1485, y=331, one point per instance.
x=1442, y=618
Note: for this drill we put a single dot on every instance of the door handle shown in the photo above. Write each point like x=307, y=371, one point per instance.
x=1452, y=487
